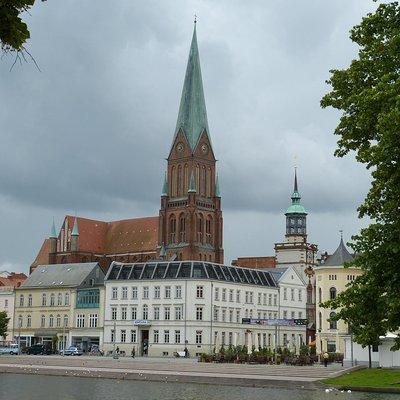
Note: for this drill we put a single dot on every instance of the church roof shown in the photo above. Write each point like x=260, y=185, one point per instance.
x=43, y=254
x=192, y=116
x=339, y=257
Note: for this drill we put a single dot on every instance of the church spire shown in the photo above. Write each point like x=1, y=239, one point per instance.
x=192, y=116
x=296, y=213
x=75, y=230
x=53, y=233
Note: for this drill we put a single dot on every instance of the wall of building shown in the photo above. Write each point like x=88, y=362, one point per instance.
x=7, y=305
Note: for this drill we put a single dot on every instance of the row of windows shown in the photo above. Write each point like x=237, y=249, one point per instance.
x=61, y=300
x=332, y=277
x=332, y=294
x=157, y=313
x=292, y=314
x=351, y=277
x=204, y=229
x=52, y=321
x=292, y=294
x=156, y=292
x=92, y=321
x=332, y=324
x=231, y=295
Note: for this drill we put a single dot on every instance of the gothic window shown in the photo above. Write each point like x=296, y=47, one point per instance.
x=182, y=228
x=332, y=293
x=173, y=181
x=203, y=181
x=197, y=177
x=185, y=179
x=332, y=324
x=200, y=228
x=172, y=229
x=179, y=183
x=209, y=180
x=209, y=230
x=319, y=295
x=320, y=320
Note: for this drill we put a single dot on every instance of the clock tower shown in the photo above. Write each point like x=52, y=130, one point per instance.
x=190, y=213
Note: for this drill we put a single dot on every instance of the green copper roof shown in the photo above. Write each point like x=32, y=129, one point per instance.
x=192, y=184
x=192, y=116
x=165, y=187
x=217, y=191
x=296, y=207
x=53, y=233
x=75, y=230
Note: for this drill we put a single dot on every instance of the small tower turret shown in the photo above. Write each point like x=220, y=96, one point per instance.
x=75, y=236
x=53, y=238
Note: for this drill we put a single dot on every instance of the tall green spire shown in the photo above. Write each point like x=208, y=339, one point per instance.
x=165, y=187
x=75, y=230
x=192, y=116
x=296, y=207
x=53, y=233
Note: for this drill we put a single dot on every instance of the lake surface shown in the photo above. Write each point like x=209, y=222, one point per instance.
x=31, y=387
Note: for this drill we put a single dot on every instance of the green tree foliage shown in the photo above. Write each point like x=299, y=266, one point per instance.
x=13, y=31
x=368, y=94
x=3, y=323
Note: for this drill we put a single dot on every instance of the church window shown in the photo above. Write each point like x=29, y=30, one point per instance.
x=182, y=228
x=197, y=176
x=173, y=181
x=209, y=230
x=180, y=183
x=203, y=181
x=172, y=229
x=185, y=179
x=209, y=180
x=332, y=293
x=200, y=228
x=332, y=324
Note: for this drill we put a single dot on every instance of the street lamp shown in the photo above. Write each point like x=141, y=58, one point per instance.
x=19, y=334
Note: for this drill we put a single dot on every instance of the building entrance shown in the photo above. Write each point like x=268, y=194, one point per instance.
x=144, y=342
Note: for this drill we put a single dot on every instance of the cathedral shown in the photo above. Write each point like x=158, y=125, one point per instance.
x=189, y=224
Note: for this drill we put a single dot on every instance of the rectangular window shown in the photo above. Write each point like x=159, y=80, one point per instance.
x=112, y=336
x=284, y=294
x=80, y=321
x=270, y=299
x=223, y=294
x=145, y=292
x=230, y=315
x=156, y=312
x=285, y=314
x=199, y=313
x=251, y=297
x=223, y=338
x=145, y=312
x=93, y=320
x=264, y=299
x=300, y=295
x=237, y=296
x=231, y=295
x=216, y=294
x=123, y=312
x=177, y=337
x=223, y=315
x=30, y=301
x=292, y=315
x=275, y=299
x=124, y=293
x=157, y=292
x=216, y=312
x=166, y=336
x=167, y=292
x=199, y=337
x=292, y=294
x=123, y=336
x=134, y=292
x=114, y=293
x=230, y=338
x=178, y=312
x=133, y=313
x=300, y=315
x=167, y=313
x=259, y=299
x=113, y=313
x=21, y=300
x=133, y=336
x=237, y=316
x=178, y=292
x=156, y=336
x=199, y=292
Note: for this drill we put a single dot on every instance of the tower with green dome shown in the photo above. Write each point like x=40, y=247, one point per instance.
x=296, y=214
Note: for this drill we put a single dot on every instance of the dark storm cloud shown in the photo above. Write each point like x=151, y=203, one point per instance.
x=91, y=131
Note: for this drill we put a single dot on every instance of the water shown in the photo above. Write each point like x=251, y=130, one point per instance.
x=31, y=387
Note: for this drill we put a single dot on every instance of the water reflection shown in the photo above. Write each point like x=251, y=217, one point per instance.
x=21, y=387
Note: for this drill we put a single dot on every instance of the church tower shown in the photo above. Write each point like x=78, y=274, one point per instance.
x=190, y=214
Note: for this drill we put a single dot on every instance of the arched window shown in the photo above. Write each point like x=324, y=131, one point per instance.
x=66, y=299
x=21, y=300
x=51, y=321
x=44, y=301
x=319, y=295
x=172, y=229
x=332, y=293
x=179, y=182
x=320, y=320
x=203, y=181
x=173, y=181
x=43, y=321
x=209, y=180
x=20, y=321
x=182, y=228
x=58, y=321
x=185, y=179
x=198, y=178
x=59, y=299
x=52, y=299
x=200, y=228
x=66, y=321
x=28, y=321
x=209, y=224
x=30, y=300
x=332, y=324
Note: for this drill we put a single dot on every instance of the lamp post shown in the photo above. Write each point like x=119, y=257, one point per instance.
x=115, y=355
x=63, y=342
x=19, y=335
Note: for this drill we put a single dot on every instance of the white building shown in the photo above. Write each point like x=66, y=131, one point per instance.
x=167, y=306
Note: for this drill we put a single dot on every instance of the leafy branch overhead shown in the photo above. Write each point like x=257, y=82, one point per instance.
x=368, y=94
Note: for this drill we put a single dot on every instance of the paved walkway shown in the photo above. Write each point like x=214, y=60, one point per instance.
x=175, y=370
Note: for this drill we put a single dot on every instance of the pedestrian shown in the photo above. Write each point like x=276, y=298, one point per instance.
x=133, y=352
x=326, y=358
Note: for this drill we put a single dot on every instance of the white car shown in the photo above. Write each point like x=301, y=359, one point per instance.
x=9, y=349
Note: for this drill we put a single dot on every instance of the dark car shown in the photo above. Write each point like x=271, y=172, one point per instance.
x=38, y=349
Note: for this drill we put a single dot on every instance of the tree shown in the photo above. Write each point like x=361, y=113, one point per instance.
x=4, y=320
x=368, y=94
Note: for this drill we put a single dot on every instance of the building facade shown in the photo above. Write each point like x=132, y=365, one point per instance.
x=60, y=305
x=161, y=308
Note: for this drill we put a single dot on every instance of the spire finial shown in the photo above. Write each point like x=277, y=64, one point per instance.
x=195, y=19
x=295, y=179
x=53, y=233
x=341, y=234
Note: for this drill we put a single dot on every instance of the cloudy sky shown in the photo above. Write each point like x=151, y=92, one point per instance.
x=91, y=131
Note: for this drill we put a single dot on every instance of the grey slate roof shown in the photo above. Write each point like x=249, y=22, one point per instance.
x=276, y=272
x=339, y=257
x=67, y=275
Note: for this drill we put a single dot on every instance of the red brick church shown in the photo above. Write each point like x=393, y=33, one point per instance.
x=189, y=224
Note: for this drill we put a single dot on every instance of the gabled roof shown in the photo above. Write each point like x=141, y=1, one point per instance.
x=43, y=255
x=192, y=116
x=339, y=257
x=13, y=279
x=67, y=275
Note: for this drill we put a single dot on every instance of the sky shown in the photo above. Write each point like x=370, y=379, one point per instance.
x=90, y=131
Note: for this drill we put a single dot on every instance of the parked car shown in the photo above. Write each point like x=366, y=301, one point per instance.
x=9, y=349
x=38, y=349
x=73, y=351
